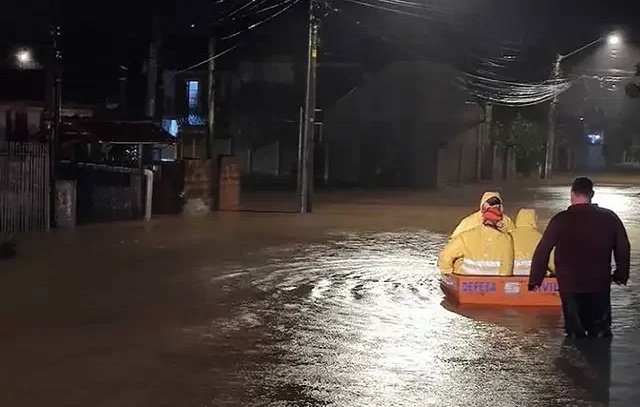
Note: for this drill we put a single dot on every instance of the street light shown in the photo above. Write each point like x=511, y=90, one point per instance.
x=24, y=57
x=612, y=39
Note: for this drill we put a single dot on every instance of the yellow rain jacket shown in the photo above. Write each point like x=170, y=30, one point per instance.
x=475, y=219
x=526, y=237
x=481, y=251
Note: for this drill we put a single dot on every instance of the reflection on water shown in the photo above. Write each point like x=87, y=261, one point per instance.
x=588, y=365
x=622, y=200
x=191, y=314
x=360, y=321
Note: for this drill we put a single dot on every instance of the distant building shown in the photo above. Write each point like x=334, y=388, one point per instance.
x=20, y=120
x=257, y=106
x=22, y=104
x=409, y=125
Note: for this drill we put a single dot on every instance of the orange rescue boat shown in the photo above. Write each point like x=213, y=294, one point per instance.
x=501, y=291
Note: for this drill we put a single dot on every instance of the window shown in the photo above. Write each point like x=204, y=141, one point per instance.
x=595, y=138
x=194, y=113
x=193, y=95
x=170, y=126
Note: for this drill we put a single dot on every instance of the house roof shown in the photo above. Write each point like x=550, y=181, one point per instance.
x=115, y=132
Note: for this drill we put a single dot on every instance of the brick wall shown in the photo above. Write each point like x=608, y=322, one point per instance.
x=198, y=186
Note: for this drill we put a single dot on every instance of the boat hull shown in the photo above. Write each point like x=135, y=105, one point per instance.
x=500, y=291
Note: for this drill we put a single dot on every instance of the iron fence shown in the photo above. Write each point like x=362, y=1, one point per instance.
x=24, y=188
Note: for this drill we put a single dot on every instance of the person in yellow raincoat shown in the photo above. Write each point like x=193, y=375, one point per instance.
x=475, y=219
x=526, y=237
x=482, y=251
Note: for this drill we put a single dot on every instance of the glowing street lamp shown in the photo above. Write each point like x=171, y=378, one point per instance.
x=612, y=39
x=24, y=57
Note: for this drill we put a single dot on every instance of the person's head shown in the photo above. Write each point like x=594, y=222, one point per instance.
x=527, y=218
x=581, y=191
x=492, y=214
x=490, y=199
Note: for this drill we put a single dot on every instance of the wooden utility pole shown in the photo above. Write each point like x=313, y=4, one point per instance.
x=307, y=176
x=211, y=105
x=123, y=92
x=300, y=162
x=55, y=115
x=485, y=139
x=152, y=71
x=551, y=133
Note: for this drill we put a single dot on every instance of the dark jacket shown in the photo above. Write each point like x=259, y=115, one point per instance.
x=584, y=236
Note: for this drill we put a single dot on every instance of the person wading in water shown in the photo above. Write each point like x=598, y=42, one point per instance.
x=584, y=237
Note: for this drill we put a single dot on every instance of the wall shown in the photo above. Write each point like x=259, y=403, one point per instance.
x=199, y=186
x=595, y=157
x=344, y=161
x=266, y=160
x=391, y=129
x=34, y=116
x=457, y=159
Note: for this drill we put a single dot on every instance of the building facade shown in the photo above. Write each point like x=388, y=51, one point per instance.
x=23, y=119
x=409, y=125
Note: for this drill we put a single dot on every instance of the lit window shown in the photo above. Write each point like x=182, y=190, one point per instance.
x=193, y=95
x=170, y=126
x=595, y=138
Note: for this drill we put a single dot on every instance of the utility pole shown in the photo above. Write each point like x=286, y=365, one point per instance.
x=123, y=92
x=300, y=162
x=211, y=106
x=54, y=139
x=307, y=176
x=484, y=136
x=152, y=71
x=551, y=135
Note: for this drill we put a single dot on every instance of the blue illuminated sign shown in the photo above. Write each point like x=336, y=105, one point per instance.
x=481, y=287
x=548, y=287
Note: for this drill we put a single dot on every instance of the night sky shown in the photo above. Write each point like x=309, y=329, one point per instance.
x=98, y=37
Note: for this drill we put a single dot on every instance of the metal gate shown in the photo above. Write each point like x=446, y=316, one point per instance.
x=24, y=187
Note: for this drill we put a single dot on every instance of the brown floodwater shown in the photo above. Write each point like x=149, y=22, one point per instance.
x=342, y=308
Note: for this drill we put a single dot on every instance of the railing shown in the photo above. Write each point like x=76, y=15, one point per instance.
x=24, y=188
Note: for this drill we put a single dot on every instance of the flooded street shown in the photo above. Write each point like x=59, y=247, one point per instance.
x=342, y=308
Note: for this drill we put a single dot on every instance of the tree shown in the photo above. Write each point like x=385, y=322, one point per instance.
x=526, y=138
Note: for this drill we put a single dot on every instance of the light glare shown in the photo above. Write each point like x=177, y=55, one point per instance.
x=614, y=39
x=24, y=57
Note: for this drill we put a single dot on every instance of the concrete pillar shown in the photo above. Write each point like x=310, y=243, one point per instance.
x=198, y=186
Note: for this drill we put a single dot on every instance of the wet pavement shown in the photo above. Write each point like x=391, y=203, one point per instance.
x=340, y=308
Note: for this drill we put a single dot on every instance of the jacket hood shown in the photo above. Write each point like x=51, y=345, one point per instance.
x=488, y=195
x=527, y=218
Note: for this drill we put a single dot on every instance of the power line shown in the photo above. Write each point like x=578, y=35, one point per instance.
x=290, y=3
x=208, y=59
x=255, y=25
x=393, y=10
